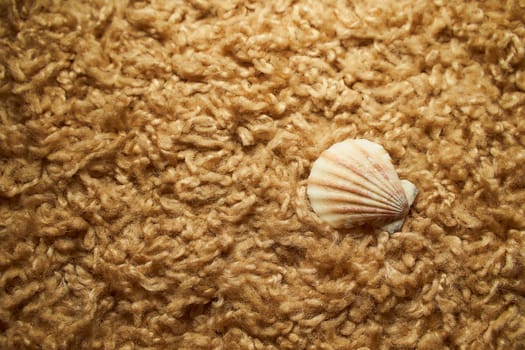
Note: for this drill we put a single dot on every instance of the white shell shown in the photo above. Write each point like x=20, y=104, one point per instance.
x=354, y=182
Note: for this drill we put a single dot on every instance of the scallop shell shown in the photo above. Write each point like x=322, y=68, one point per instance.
x=354, y=182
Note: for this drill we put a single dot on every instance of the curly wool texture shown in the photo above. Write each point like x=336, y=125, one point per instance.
x=154, y=161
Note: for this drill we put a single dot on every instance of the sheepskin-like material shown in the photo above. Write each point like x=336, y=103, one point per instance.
x=153, y=166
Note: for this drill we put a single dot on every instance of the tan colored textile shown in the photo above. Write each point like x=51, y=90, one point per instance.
x=153, y=160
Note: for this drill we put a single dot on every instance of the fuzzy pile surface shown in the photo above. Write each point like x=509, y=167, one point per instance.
x=153, y=166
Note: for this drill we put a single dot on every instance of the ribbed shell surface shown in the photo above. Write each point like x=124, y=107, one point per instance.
x=354, y=182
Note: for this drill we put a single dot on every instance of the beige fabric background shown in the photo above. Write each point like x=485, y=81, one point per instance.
x=153, y=160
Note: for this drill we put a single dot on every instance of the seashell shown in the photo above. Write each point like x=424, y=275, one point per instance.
x=354, y=182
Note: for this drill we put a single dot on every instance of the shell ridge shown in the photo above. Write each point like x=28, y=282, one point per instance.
x=357, y=218
x=339, y=187
x=381, y=191
x=368, y=185
x=366, y=163
x=386, y=191
x=386, y=174
x=339, y=200
x=380, y=174
x=337, y=183
x=349, y=210
x=354, y=207
x=326, y=193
